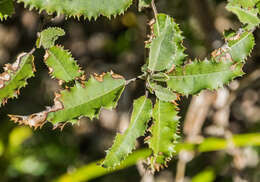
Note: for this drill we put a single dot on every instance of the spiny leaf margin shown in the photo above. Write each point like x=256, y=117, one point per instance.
x=15, y=76
x=48, y=37
x=6, y=9
x=238, y=47
x=83, y=99
x=61, y=64
x=87, y=8
x=199, y=75
x=125, y=143
x=166, y=49
x=164, y=133
x=246, y=15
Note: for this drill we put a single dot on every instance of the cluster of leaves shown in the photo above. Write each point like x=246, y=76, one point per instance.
x=167, y=74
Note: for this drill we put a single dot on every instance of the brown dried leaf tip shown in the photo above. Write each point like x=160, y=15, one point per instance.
x=10, y=68
x=116, y=76
x=99, y=78
x=39, y=119
x=150, y=36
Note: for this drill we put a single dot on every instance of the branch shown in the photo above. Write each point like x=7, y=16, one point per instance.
x=92, y=170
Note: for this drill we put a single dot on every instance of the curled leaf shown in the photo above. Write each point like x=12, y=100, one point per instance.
x=247, y=15
x=85, y=99
x=48, y=37
x=15, y=76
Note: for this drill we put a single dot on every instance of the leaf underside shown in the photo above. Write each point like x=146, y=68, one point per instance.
x=87, y=8
x=61, y=64
x=164, y=133
x=84, y=99
x=125, y=143
x=166, y=49
x=6, y=9
x=15, y=76
x=48, y=37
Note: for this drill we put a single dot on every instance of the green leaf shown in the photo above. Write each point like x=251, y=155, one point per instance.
x=61, y=64
x=245, y=15
x=48, y=37
x=125, y=143
x=239, y=46
x=15, y=76
x=200, y=75
x=208, y=175
x=144, y=4
x=162, y=93
x=164, y=132
x=6, y=9
x=84, y=99
x=77, y=8
x=166, y=50
x=245, y=3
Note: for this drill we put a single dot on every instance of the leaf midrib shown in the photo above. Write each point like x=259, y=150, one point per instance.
x=20, y=68
x=133, y=126
x=93, y=98
x=201, y=74
x=69, y=77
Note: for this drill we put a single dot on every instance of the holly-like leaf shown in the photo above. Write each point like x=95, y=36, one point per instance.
x=237, y=48
x=84, y=99
x=200, y=75
x=6, y=9
x=143, y=4
x=61, y=64
x=166, y=49
x=163, y=93
x=244, y=3
x=15, y=76
x=77, y=8
x=125, y=143
x=247, y=16
x=164, y=133
x=48, y=37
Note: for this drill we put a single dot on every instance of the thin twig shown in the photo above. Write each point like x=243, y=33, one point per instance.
x=154, y=9
x=130, y=81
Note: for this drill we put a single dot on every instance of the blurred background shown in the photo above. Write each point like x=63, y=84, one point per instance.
x=118, y=45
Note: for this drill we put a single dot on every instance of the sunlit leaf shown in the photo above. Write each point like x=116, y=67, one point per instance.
x=125, y=143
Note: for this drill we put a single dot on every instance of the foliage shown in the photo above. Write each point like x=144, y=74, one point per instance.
x=6, y=9
x=78, y=8
x=48, y=37
x=15, y=76
x=124, y=144
x=164, y=132
x=167, y=75
x=166, y=48
x=61, y=64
